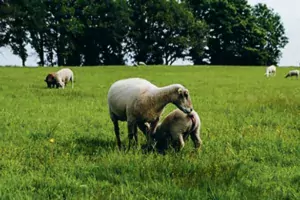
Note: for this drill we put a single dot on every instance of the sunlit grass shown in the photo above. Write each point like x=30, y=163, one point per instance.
x=57, y=144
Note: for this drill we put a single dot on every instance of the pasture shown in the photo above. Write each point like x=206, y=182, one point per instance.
x=60, y=144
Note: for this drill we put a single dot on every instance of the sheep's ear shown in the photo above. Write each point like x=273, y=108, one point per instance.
x=186, y=92
x=179, y=91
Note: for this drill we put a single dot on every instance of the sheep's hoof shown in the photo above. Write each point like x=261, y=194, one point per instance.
x=121, y=148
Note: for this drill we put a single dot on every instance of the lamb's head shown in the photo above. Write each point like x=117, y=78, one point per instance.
x=181, y=98
x=50, y=79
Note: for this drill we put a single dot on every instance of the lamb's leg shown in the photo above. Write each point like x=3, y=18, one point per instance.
x=162, y=145
x=178, y=142
x=195, y=135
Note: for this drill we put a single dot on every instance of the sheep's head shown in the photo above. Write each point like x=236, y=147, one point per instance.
x=183, y=100
x=61, y=84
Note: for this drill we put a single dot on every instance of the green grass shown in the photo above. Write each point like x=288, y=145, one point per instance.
x=250, y=133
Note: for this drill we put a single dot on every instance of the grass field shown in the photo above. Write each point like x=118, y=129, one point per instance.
x=60, y=144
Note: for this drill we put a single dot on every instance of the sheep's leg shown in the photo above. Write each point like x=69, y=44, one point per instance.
x=150, y=135
x=116, y=129
x=72, y=81
x=132, y=133
x=144, y=128
x=117, y=133
x=153, y=127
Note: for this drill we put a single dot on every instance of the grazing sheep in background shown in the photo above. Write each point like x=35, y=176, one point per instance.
x=176, y=128
x=51, y=81
x=271, y=70
x=139, y=102
x=63, y=76
x=293, y=73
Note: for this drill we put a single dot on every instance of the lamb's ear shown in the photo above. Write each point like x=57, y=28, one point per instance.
x=179, y=91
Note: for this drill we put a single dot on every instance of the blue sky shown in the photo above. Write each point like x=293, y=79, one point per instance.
x=287, y=9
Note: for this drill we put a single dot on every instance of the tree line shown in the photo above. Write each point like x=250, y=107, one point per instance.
x=109, y=32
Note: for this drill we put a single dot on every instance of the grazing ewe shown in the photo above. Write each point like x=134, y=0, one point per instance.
x=293, y=73
x=51, y=81
x=271, y=70
x=139, y=102
x=63, y=76
x=176, y=128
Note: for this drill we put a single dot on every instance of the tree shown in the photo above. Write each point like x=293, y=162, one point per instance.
x=164, y=31
x=273, y=32
x=227, y=21
x=15, y=29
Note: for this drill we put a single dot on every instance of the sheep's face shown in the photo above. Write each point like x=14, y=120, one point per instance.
x=61, y=84
x=183, y=101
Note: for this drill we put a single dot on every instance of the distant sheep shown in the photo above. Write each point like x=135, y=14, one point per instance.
x=139, y=102
x=63, y=76
x=51, y=81
x=176, y=128
x=271, y=70
x=293, y=73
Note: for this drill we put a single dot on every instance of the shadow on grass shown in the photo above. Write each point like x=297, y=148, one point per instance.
x=91, y=146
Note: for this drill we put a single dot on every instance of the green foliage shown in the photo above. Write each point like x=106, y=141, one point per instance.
x=164, y=31
x=274, y=32
x=239, y=34
x=60, y=144
x=91, y=33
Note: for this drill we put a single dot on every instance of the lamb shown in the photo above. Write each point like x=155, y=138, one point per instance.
x=271, y=70
x=51, y=81
x=141, y=104
x=63, y=76
x=293, y=73
x=176, y=128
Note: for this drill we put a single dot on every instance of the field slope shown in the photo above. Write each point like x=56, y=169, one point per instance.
x=60, y=144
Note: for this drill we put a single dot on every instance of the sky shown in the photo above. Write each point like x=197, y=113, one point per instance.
x=287, y=9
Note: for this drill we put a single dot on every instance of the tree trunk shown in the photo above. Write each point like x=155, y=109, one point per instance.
x=41, y=52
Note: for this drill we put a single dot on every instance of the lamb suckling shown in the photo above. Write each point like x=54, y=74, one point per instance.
x=293, y=73
x=175, y=130
x=63, y=76
x=51, y=81
x=271, y=70
x=140, y=102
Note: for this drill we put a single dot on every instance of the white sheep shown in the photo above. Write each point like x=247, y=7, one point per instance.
x=63, y=76
x=176, y=128
x=293, y=73
x=271, y=70
x=139, y=102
